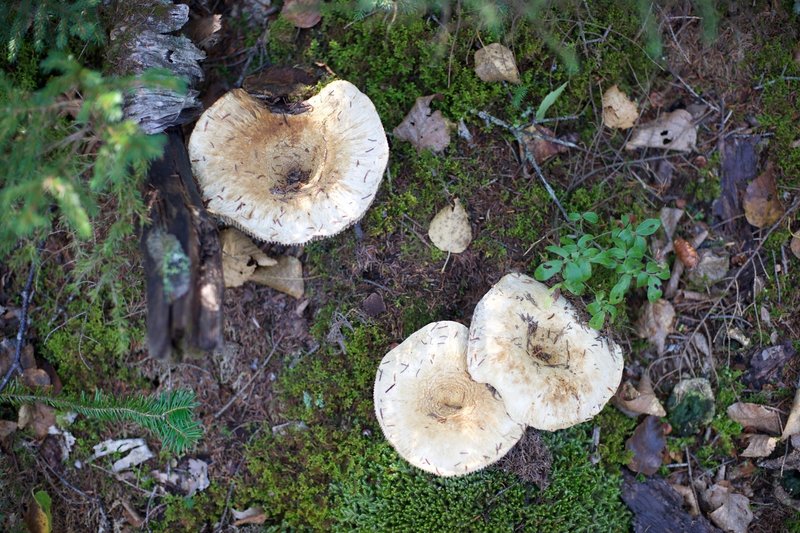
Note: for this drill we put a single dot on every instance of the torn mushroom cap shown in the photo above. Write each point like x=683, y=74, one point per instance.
x=290, y=178
x=432, y=412
x=551, y=370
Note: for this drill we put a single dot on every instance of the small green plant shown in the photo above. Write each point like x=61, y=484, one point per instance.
x=621, y=250
x=168, y=415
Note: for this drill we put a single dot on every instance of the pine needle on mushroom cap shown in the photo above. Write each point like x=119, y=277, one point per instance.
x=290, y=178
x=432, y=412
x=551, y=370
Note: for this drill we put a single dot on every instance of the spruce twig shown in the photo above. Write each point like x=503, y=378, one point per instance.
x=168, y=415
x=27, y=294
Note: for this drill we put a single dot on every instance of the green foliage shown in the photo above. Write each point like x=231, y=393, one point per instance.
x=168, y=415
x=50, y=24
x=621, y=250
x=548, y=101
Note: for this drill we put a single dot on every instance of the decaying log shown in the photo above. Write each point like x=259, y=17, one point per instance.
x=180, y=245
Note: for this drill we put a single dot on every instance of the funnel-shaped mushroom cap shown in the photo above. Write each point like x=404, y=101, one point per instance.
x=432, y=412
x=290, y=178
x=551, y=370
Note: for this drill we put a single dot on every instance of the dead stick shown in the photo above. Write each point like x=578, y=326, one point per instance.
x=27, y=294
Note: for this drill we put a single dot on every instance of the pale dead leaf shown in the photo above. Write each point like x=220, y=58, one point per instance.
x=794, y=246
x=7, y=428
x=286, y=276
x=302, y=13
x=251, y=515
x=759, y=446
x=136, y=449
x=495, y=62
x=792, y=426
x=656, y=323
x=647, y=445
x=203, y=30
x=450, y=229
x=757, y=417
x=38, y=417
x=635, y=402
x=712, y=267
x=190, y=476
x=673, y=131
x=731, y=511
x=618, y=110
x=762, y=205
x=689, y=498
x=240, y=257
x=542, y=149
x=669, y=220
x=424, y=128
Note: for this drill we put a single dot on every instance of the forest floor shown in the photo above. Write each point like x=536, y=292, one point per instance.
x=290, y=436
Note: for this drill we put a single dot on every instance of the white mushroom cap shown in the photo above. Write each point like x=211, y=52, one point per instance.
x=551, y=370
x=432, y=412
x=290, y=178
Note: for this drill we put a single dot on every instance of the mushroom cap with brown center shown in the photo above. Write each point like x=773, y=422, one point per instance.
x=551, y=370
x=290, y=177
x=432, y=412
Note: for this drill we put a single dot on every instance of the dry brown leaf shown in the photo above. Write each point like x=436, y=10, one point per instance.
x=302, y=13
x=689, y=498
x=7, y=428
x=240, y=257
x=685, y=252
x=759, y=446
x=647, y=445
x=619, y=111
x=203, y=30
x=286, y=276
x=762, y=205
x=731, y=511
x=673, y=131
x=635, y=402
x=794, y=246
x=656, y=323
x=792, y=426
x=424, y=128
x=542, y=149
x=251, y=515
x=450, y=229
x=38, y=417
x=495, y=62
x=755, y=416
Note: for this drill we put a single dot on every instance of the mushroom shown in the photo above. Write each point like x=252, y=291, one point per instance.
x=295, y=176
x=551, y=370
x=432, y=412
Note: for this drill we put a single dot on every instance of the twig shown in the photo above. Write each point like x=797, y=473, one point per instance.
x=250, y=382
x=519, y=136
x=27, y=294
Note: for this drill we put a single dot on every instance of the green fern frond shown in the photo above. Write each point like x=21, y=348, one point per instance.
x=167, y=415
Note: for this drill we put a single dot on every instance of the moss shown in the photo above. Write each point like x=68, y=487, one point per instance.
x=615, y=428
x=191, y=513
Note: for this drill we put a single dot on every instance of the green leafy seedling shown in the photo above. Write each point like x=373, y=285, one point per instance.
x=548, y=102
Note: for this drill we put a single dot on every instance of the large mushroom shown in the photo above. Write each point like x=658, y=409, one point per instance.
x=295, y=176
x=551, y=370
x=432, y=412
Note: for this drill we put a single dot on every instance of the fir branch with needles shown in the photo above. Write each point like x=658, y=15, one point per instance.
x=169, y=415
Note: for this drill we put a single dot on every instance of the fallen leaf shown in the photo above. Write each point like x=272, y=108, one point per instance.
x=424, y=128
x=542, y=149
x=35, y=378
x=762, y=204
x=495, y=62
x=756, y=417
x=251, y=515
x=136, y=449
x=286, y=276
x=619, y=111
x=759, y=446
x=647, y=444
x=669, y=220
x=767, y=364
x=240, y=257
x=689, y=498
x=38, y=417
x=672, y=131
x=712, y=267
x=203, y=30
x=731, y=510
x=686, y=253
x=656, y=323
x=450, y=229
x=635, y=402
x=792, y=426
x=302, y=13
x=7, y=428
x=39, y=518
x=794, y=246
x=373, y=305
x=189, y=477
x=699, y=341
x=691, y=406
x=787, y=462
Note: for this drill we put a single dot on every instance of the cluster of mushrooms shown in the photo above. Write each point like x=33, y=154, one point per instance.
x=452, y=399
